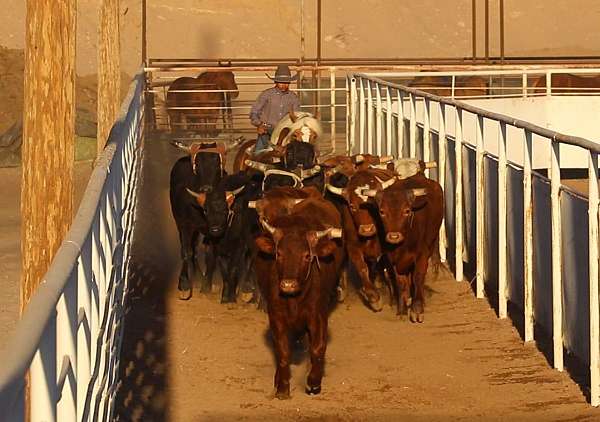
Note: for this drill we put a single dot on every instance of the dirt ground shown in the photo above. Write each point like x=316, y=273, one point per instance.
x=202, y=361
x=10, y=240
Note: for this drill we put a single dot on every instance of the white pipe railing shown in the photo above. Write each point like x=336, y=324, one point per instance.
x=530, y=293
x=69, y=337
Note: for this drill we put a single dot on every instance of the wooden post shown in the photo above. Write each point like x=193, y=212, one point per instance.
x=48, y=136
x=109, y=70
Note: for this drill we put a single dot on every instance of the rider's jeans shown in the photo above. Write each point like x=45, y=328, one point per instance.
x=262, y=142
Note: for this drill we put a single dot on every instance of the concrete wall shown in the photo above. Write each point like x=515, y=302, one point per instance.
x=576, y=116
x=352, y=28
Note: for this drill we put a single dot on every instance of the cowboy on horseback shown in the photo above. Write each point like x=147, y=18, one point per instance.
x=272, y=105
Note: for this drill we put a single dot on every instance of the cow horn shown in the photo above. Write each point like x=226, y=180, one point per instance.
x=359, y=158
x=379, y=166
x=296, y=201
x=194, y=194
x=419, y=191
x=371, y=193
x=267, y=226
x=257, y=165
x=331, y=232
x=387, y=183
x=234, y=144
x=430, y=164
x=386, y=159
x=304, y=174
x=181, y=145
x=334, y=189
x=238, y=190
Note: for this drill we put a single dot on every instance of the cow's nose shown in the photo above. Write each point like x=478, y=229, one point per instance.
x=394, y=237
x=215, y=230
x=367, y=229
x=289, y=286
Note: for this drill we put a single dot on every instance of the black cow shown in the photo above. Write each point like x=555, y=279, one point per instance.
x=201, y=195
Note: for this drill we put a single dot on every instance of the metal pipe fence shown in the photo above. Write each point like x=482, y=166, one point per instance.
x=520, y=235
x=322, y=94
x=69, y=337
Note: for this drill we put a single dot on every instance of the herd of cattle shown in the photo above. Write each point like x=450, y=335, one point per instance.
x=292, y=224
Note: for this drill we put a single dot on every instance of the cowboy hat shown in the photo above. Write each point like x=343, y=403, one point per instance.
x=283, y=75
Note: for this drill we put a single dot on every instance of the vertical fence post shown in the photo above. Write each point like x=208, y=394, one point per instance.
x=593, y=263
x=400, y=139
x=84, y=303
x=43, y=377
x=548, y=83
x=528, y=238
x=379, y=122
x=361, y=112
x=480, y=201
x=453, y=90
x=388, y=120
x=502, y=209
x=557, y=337
x=369, y=118
x=524, y=84
x=458, y=196
x=413, y=127
x=66, y=350
x=352, y=124
x=426, y=133
x=332, y=106
x=442, y=173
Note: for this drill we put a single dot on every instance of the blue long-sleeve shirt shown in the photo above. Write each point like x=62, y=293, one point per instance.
x=271, y=105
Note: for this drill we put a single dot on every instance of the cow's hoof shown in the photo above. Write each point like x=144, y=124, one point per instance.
x=246, y=297
x=416, y=316
x=341, y=295
x=282, y=395
x=378, y=284
x=185, y=294
x=226, y=300
x=375, y=302
x=313, y=391
x=205, y=289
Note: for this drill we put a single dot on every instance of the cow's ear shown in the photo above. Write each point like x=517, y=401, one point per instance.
x=417, y=198
x=201, y=199
x=229, y=197
x=325, y=248
x=265, y=244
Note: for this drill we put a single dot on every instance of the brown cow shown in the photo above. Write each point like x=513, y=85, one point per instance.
x=206, y=106
x=566, y=83
x=281, y=200
x=464, y=86
x=360, y=227
x=297, y=268
x=411, y=211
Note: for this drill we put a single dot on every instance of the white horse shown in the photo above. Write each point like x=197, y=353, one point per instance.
x=300, y=125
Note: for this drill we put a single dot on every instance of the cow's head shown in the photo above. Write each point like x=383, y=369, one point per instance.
x=297, y=252
x=299, y=154
x=396, y=206
x=356, y=195
x=216, y=203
